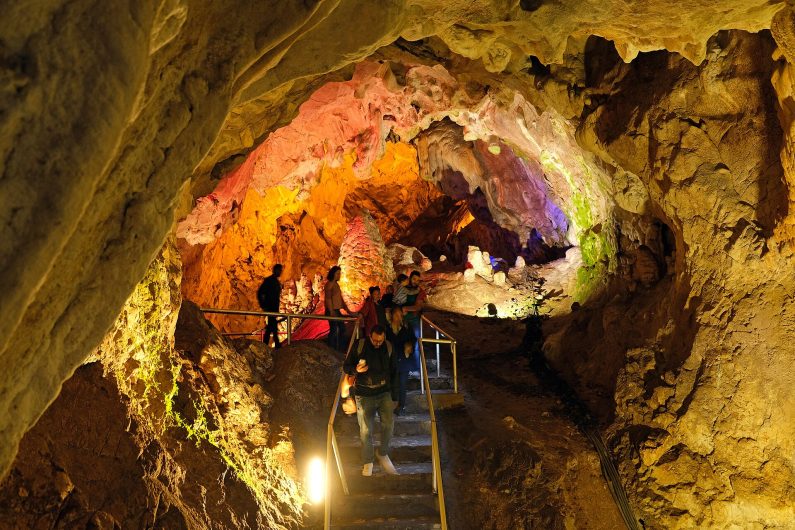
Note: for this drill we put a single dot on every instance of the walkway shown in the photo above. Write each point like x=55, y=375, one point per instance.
x=387, y=502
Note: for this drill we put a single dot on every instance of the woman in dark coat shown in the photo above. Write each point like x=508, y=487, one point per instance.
x=399, y=333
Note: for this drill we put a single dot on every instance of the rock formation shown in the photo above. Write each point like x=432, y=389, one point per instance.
x=364, y=260
x=697, y=409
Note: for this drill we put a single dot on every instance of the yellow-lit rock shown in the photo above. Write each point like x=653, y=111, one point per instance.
x=304, y=235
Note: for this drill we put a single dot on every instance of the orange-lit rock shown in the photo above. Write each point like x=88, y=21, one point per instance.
x=364, y=260
x=394, y=194
x=304, y=235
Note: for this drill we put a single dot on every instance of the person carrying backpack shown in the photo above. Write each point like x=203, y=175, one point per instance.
x=412, y=308
x=403, y=340
x=375, y=367
x=372, y=311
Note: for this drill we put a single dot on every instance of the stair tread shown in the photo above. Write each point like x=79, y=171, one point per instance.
x=405, y=469
x=402, y=418
x=379, y=496
x=370, y=520
x=368, y=504
x=434, y=391
x=415, y=440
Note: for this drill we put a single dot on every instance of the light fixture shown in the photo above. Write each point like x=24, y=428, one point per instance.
x=316, y=480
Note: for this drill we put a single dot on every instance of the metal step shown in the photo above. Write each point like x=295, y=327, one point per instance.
x=442, y=399
x=415, y=448
x=437, y=383
x=405, y=424
x=410, y=523
x=384, y=505
x=413, y=478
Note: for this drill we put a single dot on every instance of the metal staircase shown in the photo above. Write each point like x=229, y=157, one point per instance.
x=414, y=499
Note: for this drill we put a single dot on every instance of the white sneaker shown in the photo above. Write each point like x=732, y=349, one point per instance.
x=367, y=470
x=386, y=465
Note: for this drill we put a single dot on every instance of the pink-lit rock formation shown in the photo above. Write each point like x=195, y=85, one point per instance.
x=354, y=118
x=364, y=260
x=343, y=118
x=517, y=194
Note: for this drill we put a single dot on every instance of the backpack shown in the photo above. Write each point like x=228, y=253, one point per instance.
x=360, y=347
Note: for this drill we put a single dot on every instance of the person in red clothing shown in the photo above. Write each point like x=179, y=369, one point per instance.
x=373, y=312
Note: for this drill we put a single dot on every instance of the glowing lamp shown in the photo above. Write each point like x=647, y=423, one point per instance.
x=316, y=480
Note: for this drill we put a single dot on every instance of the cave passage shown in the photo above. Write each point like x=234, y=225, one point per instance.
x=606, y=193
x=383, y=178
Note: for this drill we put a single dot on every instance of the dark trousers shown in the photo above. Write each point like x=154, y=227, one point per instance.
x=272, y=327
x=415, y=327
x=403, y=387
x=365, y=413
x=336, y=330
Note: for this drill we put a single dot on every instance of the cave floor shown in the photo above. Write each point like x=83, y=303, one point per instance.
x=512, y=456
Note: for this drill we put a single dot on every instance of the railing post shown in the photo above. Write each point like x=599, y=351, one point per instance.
x=438, y=373
x=422, y=361
x=289, y=331
x=455, y=367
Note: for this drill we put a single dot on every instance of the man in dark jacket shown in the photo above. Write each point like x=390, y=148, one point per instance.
x=268, y=295
x=376, y=369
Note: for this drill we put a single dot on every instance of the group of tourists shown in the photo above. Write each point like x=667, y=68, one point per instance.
x=379, y=364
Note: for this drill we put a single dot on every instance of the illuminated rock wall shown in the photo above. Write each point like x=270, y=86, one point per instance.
x=697, y=371
x=200, y=409
x=107, y=109
x=304, y=235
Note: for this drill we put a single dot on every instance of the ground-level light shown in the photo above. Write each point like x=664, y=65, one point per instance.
x=316, y=480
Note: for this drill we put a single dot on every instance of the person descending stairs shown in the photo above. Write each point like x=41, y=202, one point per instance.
x=396, y=492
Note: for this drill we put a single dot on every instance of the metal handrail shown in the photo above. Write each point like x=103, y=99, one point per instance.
x=332, y=447
x=437, y=328
x=437, y=466
x=289, y=316
x=437, y=341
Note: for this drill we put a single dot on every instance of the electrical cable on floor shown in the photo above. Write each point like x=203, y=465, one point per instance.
x=588, y=427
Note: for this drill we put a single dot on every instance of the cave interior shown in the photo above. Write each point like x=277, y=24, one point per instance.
x=598, y=203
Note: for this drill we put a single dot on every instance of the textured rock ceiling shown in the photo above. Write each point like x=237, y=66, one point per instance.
x=108, y=109
x=355, y=118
